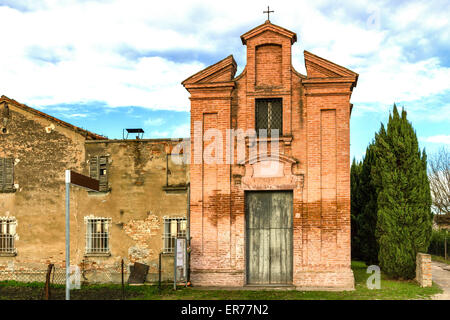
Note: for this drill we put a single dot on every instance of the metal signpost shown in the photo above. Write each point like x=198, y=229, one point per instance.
x=180, y=261
x=80, y=181
x=175, y=249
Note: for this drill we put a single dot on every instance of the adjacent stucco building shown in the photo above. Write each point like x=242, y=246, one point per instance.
x=140, y=209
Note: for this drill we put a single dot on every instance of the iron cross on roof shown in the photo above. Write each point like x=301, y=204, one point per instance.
x=268, y=13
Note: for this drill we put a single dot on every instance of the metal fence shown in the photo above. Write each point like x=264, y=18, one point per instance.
x=58, y=276
x=439, y=243
x=91, y=275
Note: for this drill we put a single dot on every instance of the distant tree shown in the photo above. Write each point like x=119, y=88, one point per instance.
x=404, y=219
x=439, y=175
x=356, y=205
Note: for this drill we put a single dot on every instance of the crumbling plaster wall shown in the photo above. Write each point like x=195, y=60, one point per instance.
x=42, y=151
x=136, y=202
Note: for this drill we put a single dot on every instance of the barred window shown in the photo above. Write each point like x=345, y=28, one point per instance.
x=173, y=228
x=98, y=170
x=7, y=175
x=7, y=236
x=97, y=235
x=269, y=115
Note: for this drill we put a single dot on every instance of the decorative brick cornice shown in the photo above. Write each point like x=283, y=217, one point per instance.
x=228, y=84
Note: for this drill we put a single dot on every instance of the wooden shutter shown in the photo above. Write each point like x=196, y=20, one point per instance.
x=2, y=174
x=9, y=174
x=103, y=173
x=98, y=169
x=6, y=174
x=93, y=168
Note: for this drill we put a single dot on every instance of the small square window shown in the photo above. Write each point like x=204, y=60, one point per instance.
x=97, y=235
x=173, y=228
x=269, y=116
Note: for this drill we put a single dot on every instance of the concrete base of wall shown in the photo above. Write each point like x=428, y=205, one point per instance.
x=202, y=278
x=342, y=280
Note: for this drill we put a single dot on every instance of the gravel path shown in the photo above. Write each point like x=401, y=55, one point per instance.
x=441, y=275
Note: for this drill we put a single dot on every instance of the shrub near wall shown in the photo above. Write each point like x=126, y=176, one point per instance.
x=437, y=244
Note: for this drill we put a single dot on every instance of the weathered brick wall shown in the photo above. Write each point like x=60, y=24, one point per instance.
x=314, y=164
x=268, y=65
x=423, y=270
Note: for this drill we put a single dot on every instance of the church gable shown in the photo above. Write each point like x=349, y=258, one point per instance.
x=221, y=71
x=268, y=26
x=317, y=67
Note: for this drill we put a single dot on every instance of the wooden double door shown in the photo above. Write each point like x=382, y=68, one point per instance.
x=269, y=237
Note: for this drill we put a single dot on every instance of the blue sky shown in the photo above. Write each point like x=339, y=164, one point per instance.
x=106, y=65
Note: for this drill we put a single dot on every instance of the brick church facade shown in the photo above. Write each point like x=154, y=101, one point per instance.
x=255, y=218
x=288, y=226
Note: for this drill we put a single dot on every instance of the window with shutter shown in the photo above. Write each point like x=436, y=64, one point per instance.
x=269, y=115
x=7, y=175
x=98, y=169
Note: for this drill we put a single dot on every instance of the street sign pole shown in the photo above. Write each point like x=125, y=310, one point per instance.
x=175, y=266
x=67, y=234
x=84, y=182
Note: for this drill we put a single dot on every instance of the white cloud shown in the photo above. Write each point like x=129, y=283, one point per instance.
x=70, y=54
x=73, y=51
x=159, y=134
x=76, y=115
x=183, y=131
x=441, y=139
x=154, y=122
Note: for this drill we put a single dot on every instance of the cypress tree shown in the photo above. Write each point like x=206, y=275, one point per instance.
x=404, y=218
x=355, y=207
x=368, y=218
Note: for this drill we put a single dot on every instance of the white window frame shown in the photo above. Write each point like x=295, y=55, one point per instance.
x=8, y=236
x=170, y=235
x=98, y=242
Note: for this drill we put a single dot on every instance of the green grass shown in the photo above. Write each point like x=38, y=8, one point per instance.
x=390, y=290
x=440, y=259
